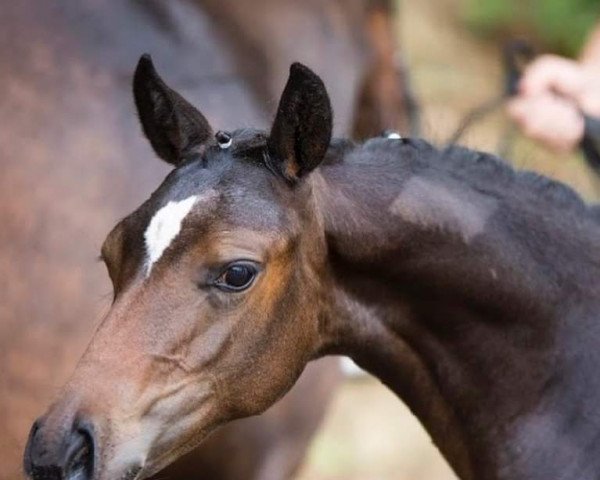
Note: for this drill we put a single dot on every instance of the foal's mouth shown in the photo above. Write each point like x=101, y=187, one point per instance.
x=131, y=473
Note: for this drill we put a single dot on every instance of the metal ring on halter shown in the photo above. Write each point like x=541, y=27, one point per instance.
x=392, y=135
x=224, y=139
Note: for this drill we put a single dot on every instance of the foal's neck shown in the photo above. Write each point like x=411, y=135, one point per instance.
x=462, y=298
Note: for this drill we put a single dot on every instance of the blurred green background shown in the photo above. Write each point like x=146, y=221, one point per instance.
x=560, y=25
x=453, y=50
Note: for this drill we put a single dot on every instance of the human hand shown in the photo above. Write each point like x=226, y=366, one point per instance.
x=552, y=93
x=579, y=82
x=551, y=120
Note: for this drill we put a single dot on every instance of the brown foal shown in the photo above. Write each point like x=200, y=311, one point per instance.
x=471, y=290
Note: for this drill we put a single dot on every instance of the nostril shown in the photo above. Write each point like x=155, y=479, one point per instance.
x=27, y=458
x=79, y=457
x=68, y=456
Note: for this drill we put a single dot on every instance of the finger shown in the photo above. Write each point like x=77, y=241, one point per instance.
x=552, y=74
x=549, y=120
x=517, y=108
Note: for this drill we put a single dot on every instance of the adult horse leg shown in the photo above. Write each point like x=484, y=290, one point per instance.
x=385, y=99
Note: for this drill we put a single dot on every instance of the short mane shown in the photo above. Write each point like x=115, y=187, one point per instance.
x=491, y=173
x=477, y=168
x=478, y=164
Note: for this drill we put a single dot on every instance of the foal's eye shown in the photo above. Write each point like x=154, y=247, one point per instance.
x=238, y=276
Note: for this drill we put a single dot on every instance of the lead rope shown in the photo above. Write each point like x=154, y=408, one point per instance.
x=589, y=143
x=516, y=55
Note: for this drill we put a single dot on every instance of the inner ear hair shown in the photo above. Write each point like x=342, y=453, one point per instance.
x=302, y=128
x=175, y=128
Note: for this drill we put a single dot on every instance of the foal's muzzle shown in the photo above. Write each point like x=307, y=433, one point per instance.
x=66, y=456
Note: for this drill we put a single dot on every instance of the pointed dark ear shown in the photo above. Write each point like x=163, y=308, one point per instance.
x=301, y=132
x=172, y=125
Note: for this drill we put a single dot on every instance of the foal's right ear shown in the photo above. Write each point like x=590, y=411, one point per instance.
x=172, y=125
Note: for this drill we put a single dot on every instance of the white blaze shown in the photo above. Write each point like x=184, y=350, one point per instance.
x=164, y=227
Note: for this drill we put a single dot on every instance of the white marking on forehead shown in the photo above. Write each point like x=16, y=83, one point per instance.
x=166, y=225
x=394, y=136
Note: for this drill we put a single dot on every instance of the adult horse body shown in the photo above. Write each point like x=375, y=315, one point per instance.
x=71, y=165
x=469, y=289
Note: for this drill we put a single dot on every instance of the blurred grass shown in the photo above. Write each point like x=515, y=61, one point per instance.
x=369, y=434
x=560, y=25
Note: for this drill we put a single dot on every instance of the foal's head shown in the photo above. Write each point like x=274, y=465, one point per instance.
x=217, y=290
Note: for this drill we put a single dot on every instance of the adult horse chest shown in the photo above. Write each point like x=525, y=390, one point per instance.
x=73, y=162
x=469, y=289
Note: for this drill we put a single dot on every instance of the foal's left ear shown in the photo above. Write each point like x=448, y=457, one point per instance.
x=174, y=127
x=301, y=132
